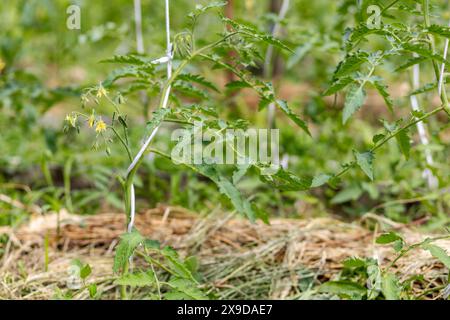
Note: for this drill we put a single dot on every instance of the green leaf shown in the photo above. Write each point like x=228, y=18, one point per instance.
x=354, y=262
x=287, y=181
x=227, y=188
x=320, y=180
x=92, y=290
x=425, y=88
x=404, y=143
x=390, y=237
x=443, y=31
x=127, y=245
x=365, y=162
x=176, y=264
x=424, y=52
x=390, y=287
x=236, y=85
x=350, y=64
x=346, y=289
x=132, y=59
x=189, y=90
x=411, y=62
x=158, y=117
x=200, y=9
x=438, y=253
x=285, y=108
x=187, y=77
x=183, y=289
x=240, y=172
x=353, y=101
x=374, y=281
x=377, y=138
x=85, y=271
x=382, y=90
x=137, y=279
x=338, y=85
x=274, y=42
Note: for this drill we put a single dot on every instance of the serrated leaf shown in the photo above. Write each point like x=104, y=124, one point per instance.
x=390, y=237
x=338, y=85
x=424, y=52
x=158, y=117
x=189, y=90
x=274, y=42
x=176, y=264
x=382, y=90
x=404, y=143
x=365, y=162
x=425, y=88
x=377, y=138
x=439, y=253
x=320, y=180
x=374, y=281
x=85, y=271
x=443, y=31
x=348, y=289
x=411, y=62
x=240, y=172
x=132, y=59
x=227, y=188
x=350, y=64
x=187, y=77
x=287, y=181
x=183, y=289
x=92, y=290
x=354, y=262
x=390, y=288
x=236, y=85
x=137, y=279
x=353, y=102
x=127, y=245
x=294, y=117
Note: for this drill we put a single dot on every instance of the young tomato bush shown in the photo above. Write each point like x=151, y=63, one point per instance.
x=185, y=97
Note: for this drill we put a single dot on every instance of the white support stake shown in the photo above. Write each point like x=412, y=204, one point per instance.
x=427, y=174
x=138, y=22
x=269, y=54
x=153, y=134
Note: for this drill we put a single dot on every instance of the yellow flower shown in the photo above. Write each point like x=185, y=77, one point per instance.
x=91, y=120
x=84, y=99
x=72, y=120
x=101, y=126
x=2, y=65
x=101, y=92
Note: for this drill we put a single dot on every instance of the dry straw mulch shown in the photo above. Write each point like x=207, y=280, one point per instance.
x=238, y=259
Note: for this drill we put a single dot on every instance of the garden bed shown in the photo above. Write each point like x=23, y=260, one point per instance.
x=238, y=260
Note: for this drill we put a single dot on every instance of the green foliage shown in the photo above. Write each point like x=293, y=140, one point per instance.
x=366, y=279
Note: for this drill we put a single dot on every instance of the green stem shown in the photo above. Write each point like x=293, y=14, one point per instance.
x=124, y=143
x=389, y=6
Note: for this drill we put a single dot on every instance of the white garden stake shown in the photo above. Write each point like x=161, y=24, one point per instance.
x=431, y=179
x=441, y=76
x=138, y=21
x=269, y=54
x=168, y=60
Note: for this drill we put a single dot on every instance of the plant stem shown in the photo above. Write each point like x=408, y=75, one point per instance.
x=392, y=135
x=124, y=143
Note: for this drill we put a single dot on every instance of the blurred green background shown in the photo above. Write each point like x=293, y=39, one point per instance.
x=45, y=66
